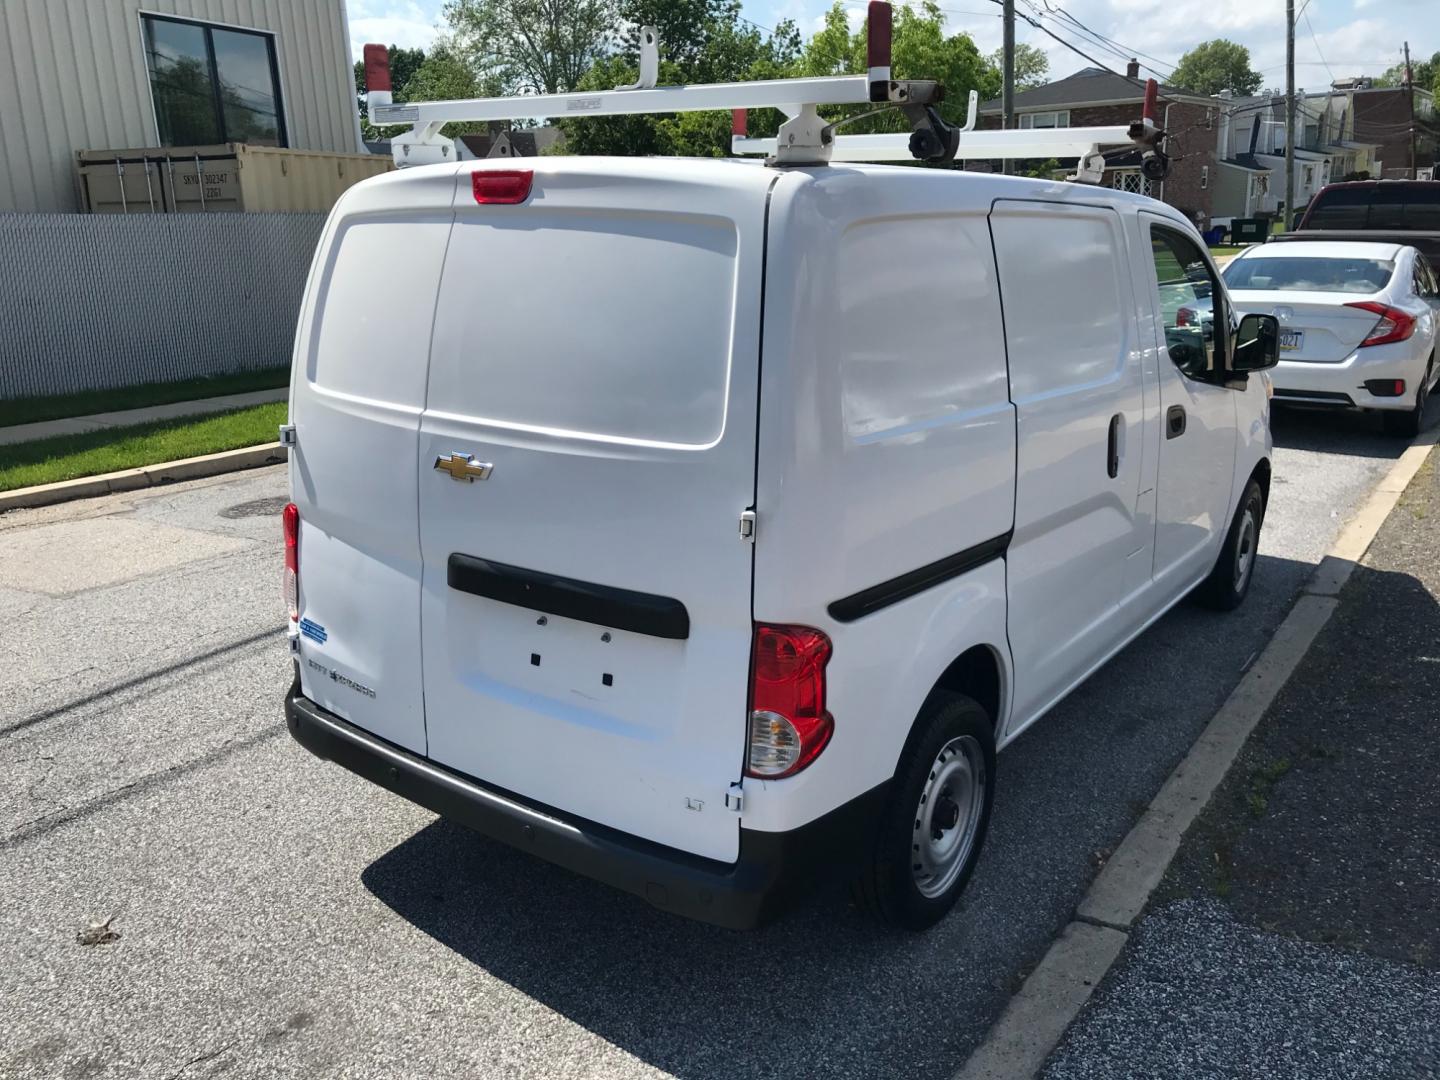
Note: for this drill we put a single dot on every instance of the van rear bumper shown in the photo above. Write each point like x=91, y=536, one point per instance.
x=738, y=896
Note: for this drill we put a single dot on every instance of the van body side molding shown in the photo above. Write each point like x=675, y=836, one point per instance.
x=603, y=605
x=868, y=601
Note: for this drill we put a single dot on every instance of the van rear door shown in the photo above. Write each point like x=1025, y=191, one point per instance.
x=357, y=389
x=586, y=450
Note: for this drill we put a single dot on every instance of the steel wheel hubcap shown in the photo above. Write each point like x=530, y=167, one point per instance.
x=1245, y=550
x=948, y=816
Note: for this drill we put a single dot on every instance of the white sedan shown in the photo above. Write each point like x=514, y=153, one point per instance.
x=1358, y=323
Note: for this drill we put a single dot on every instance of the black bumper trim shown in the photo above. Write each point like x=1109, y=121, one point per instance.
x=771, y=868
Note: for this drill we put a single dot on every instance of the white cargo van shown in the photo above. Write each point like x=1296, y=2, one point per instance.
x=698, y=525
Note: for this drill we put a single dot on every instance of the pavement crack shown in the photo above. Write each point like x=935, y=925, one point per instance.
x=202, y=1059
x=141, y=680
x=48, y=823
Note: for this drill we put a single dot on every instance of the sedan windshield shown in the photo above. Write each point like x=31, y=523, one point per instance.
x=1300, y=274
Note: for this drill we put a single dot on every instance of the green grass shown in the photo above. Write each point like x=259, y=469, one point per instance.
x=65, y=457
x=1225, y=249
x=35, y=409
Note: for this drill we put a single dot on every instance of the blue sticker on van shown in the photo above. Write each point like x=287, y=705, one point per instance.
x=313, y=630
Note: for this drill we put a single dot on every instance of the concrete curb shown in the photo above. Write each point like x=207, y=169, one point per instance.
x=1053, y=995
x=250, y=457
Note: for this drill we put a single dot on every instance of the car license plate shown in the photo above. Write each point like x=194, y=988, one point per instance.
x=1291, y=339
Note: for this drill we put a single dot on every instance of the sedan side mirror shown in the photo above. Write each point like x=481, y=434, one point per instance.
x=1257, y=343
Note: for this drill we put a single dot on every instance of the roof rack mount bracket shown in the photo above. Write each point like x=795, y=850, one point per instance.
x=803, y=139
x=649, y=61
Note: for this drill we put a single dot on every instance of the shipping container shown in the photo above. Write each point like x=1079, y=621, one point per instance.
x=211, y=179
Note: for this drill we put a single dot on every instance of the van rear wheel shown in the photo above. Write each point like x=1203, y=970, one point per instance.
x=1228, y=583
x=935, y=820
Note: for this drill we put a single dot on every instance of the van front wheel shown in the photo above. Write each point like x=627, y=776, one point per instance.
x=934, y=824
x=1228, y=583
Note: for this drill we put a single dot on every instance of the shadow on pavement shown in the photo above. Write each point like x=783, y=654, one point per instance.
x=1341, y=431
x=822, y=991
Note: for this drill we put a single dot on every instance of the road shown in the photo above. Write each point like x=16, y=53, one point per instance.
x=279, y=917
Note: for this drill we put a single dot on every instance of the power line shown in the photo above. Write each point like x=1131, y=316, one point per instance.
x=1316, y=42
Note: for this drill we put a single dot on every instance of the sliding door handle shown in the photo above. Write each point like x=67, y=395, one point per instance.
x=1175, y=421
x=1112, y=460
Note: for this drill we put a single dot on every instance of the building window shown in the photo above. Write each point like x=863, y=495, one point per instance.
x=1209, y=119
x=1131, y=180
x=1204, y=177
x=1309, y=176
x=1059, y=119
x=213, y=84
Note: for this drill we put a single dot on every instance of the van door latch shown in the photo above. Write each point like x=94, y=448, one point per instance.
x=735, y=797
x=747, y=525
x=287, y=435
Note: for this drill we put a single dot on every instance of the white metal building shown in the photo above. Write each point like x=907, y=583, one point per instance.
x=97, y=74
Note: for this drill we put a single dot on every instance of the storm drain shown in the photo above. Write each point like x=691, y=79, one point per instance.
x=257, y=508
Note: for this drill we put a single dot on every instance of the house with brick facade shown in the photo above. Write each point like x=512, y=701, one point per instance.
x=1094, y=97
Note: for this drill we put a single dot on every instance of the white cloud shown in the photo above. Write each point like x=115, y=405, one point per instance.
x=396, y=22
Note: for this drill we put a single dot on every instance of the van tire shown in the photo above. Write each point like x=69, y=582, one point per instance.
x=1225, y=588
x=889, y=888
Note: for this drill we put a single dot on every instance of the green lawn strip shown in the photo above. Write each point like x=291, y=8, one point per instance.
x=1223, y=250
x=32, y=410
x=65, y=457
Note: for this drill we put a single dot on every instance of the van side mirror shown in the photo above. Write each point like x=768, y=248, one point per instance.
x=1257, y=344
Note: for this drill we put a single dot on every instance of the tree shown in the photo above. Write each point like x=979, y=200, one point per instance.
x=1213, y=66
x=919, y=50
x=403, y=65
x=701, y=41
x=1424, y=73
x=440, y=75
x=1032, y=66
x=531, y=46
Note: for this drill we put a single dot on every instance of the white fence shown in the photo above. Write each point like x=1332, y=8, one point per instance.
x=94, y=301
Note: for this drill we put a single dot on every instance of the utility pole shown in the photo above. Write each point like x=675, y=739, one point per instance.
x=1410, y=87
x=1007, y=74
x=1289, y=222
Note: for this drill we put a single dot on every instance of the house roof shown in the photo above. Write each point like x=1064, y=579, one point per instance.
x=1246, y=161
x=1088, y=86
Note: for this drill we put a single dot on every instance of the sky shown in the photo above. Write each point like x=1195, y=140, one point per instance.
x=1334, y=38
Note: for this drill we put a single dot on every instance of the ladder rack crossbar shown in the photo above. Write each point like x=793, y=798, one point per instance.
x=788, y=95
x=984, y=145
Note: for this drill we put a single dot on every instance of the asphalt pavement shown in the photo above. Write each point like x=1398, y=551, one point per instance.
x=1296, y=932
x=279, y=917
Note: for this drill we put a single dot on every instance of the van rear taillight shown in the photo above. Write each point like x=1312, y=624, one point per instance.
x=500, y=186
x=290, y=517
x=1394, y=324
x=788, y=722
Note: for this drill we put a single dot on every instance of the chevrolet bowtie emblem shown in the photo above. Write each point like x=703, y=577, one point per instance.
x=463, y=467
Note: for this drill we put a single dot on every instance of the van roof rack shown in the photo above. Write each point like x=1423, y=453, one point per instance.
x=805, y=138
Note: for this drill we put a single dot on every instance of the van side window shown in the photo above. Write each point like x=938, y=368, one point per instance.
x=1189, y=295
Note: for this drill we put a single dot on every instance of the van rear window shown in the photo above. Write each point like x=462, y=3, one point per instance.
x=588, y=323
x=1310, y=275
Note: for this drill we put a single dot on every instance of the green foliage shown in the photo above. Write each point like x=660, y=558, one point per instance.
x=701, y=41
x=1032, y=66
x=404, y=63
x=919, y=50
x=442, y=74
x=90, y=453
x=1424, y=73
x=1217, y=65
x=531, y=46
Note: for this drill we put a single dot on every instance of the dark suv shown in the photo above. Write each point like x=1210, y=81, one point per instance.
x=1393, y=211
